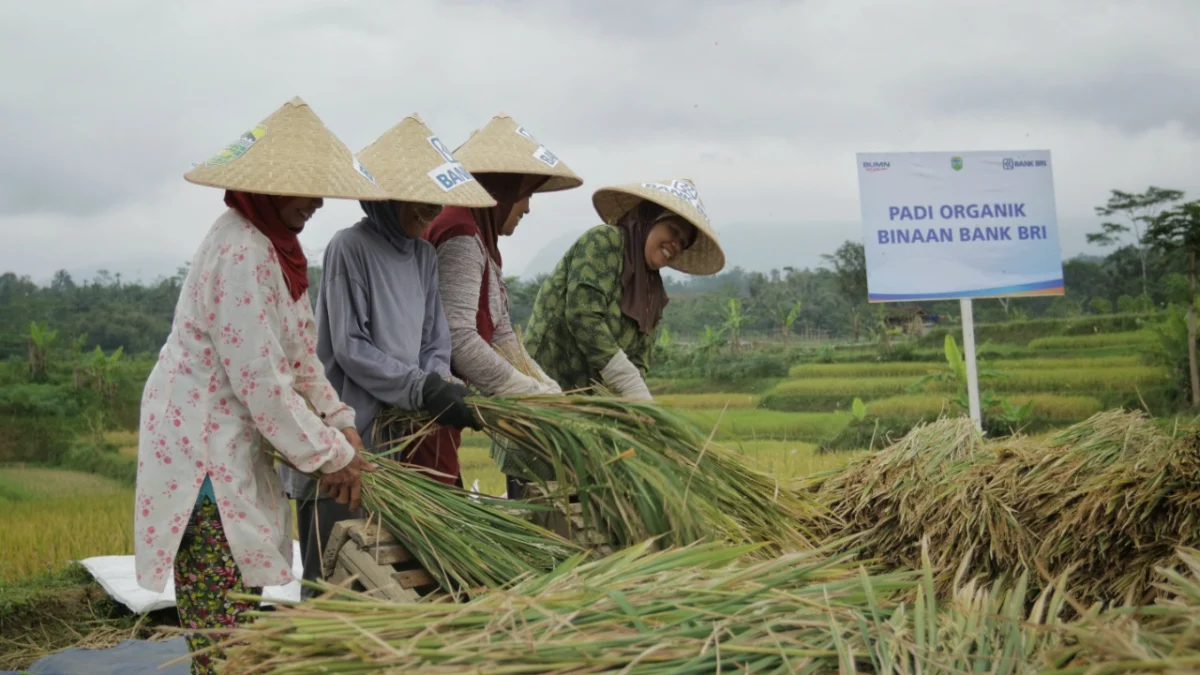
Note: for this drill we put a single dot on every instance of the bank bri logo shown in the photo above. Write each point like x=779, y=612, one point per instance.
x=1008, y=163
x=956, y=163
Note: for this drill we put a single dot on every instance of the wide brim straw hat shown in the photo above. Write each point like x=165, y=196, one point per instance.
x=503, y=146
x=411, y=164
x=705, y=256
x=290, y=153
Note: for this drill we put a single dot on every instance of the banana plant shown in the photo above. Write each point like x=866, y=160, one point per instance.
x=734, y=318
x=956, y=371
x=789, y=320
x=41, y=339
x=858, y=410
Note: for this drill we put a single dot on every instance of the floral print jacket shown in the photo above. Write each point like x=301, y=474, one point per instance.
x=239, y=366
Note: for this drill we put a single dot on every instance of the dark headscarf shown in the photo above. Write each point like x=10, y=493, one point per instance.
x=507, y=189
x=643, y=296
x=263, y=212
x=384, y=218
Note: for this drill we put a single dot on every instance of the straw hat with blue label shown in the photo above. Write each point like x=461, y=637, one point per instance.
x=704, y=257
x=412, y=164
x=503, y=146
x=290, y=153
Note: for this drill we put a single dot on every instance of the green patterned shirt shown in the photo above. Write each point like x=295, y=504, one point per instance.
x=577, y=325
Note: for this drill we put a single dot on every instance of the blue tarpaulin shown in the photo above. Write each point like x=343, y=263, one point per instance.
x=132, y=657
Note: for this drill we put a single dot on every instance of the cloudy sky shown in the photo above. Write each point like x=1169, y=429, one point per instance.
x=763, y=103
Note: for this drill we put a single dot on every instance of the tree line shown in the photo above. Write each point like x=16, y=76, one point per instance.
x=1146, y=266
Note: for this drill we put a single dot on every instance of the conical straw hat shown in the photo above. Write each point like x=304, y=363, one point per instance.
x=702, y=258
x=290, y=153
x=412, y=164
x=503, y=146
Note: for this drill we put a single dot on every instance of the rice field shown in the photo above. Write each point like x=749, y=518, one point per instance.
x=916, y=369
x=1045, y=406
x=52, y=516
x=49, y=517
x=1132, y=339
x=717, y=400
x=759, y=424
x=1048, y=380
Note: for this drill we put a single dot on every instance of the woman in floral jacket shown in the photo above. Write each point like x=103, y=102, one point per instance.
x=240, y=368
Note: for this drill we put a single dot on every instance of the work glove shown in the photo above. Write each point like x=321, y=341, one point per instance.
x=550, y=387
x=519, y=384
x=623, y=378
x=444, y=401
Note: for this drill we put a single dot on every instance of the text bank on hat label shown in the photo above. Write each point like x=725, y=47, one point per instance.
x=681, y=189
x=363, y=170
x=545, y=156
x=451, y=174
x=237, y=148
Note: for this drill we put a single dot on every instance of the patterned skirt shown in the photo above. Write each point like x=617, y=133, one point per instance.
x=205, y=575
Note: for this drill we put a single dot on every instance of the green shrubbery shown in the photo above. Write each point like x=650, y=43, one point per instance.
x=102, y=459
x=1024, y=331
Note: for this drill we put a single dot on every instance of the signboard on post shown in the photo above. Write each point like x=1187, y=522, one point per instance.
x=944, y=226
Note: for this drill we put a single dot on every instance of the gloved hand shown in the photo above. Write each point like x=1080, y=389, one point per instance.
x=444, y=401
x=623, y=377
x=519, y=384
x=550, y=387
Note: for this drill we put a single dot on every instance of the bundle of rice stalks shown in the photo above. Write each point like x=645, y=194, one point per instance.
x=465, y=541
x=683, y=610
x=641, y=472
x=1159, y=638
x=692, y=610
x=1107, y=500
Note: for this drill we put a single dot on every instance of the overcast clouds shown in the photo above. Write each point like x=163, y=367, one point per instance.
x=105, y=104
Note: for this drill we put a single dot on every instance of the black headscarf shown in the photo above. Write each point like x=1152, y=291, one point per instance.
x=384, y=218
x=643, y=296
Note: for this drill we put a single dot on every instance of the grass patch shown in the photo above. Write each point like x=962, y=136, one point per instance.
x=64, y=608
x=125, y=441
x=720, y=400
x=34, y=482
x=758, y=424
x=1140, y=338
x=787, y=460
x=1089, y=380
x=62, y=516
x=702, y=386
x=928, y=406
x=917, y=369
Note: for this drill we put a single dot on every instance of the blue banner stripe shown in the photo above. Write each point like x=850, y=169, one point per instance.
x=1051, y=285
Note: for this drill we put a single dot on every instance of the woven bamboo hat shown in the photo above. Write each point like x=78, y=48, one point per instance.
x=704, y=257
x=289, y=153
x=503, y=146
x=412, y=164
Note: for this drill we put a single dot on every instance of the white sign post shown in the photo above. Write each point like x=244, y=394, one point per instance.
x=943, y=226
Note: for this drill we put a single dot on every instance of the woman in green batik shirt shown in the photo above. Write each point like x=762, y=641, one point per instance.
x=595, y=316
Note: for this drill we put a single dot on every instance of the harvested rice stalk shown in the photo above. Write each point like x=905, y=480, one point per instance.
x=642, y=472
x=465, y=541
x=1108, y=500
x=681, y=610
x=700, y=609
